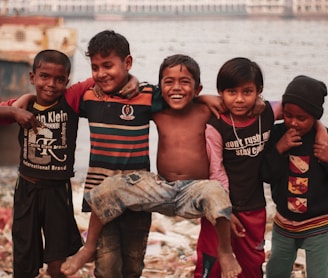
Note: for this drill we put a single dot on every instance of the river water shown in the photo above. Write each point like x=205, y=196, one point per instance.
x=283, y=49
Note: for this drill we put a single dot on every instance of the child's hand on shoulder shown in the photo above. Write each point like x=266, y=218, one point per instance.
x=289, y=140
x=214, y=103
x=131, y=89
x=258, y=107
x=320, y=151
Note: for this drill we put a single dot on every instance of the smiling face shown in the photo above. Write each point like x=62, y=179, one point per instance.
x=297, y=118
x=50, y=82
x=110, y=73
x=178, y=87
x=240, y=100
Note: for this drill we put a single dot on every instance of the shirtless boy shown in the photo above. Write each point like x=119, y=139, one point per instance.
x=181, y=186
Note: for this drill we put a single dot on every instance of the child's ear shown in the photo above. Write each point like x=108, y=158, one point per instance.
x=260, y=90
x=128, y=62
x=31, y=76
x=198, y=90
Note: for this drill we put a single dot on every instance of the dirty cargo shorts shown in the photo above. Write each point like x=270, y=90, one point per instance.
x=145, y=191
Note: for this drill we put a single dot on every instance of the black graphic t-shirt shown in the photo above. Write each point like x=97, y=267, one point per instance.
x=243, y=149
x=49, y=154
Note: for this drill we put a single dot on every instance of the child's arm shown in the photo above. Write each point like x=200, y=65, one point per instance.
x=23, y=117
x=214, y=153
x=214, y=102
x=131, y=89
x=289, y=140
x=321, y=136
x=75, y=92
x=277, y=109
x=24, y=100
x=320, y=151
x=10, y=112
x=258, y=107
x=217, y=171
x=5, y=112
x=320, y=147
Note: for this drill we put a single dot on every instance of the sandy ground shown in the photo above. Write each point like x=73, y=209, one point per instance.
x=171, y=245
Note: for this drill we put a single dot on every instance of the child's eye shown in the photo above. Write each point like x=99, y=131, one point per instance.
x=287, y=115
x=168, y=82
x=248, y=91
x=230, y=91
x=185, y=82
x=61, y=80
x=301, y=119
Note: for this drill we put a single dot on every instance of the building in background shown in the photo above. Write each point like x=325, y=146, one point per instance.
x=169, y=8
x=310, y=7
x=269, y=7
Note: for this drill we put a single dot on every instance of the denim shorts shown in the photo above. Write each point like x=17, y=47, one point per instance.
x=145, y=191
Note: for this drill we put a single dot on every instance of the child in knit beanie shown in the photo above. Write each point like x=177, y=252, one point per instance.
x=296, y=167
x=307, y=93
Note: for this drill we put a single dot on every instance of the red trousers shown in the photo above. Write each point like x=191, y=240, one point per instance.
x=249, y=250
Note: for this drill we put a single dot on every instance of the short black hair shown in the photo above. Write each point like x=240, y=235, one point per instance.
x=238, y=71
x=183, y=60
x=52, y=56
x=107, y=41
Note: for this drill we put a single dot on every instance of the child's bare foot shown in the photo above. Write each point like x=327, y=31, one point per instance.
x=230, y=267
x=75, y=262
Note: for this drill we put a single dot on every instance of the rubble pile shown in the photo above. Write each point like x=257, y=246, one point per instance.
x=171, y=244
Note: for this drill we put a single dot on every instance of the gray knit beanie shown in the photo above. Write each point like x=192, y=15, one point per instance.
x=308, y=93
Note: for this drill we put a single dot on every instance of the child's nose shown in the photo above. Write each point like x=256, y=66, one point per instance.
x=240, y=97
x=102, y=72
x=294, y=122
x=176, y=85
x=51, y=82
